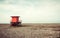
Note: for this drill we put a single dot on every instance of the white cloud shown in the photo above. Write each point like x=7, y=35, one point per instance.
x=45, y=11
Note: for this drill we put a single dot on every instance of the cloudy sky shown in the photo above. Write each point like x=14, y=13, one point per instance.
x=30, y=11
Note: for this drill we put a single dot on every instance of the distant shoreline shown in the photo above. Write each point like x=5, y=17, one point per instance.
x=32, y=23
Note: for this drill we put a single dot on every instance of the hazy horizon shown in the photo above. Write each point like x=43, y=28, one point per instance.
x=30, y=11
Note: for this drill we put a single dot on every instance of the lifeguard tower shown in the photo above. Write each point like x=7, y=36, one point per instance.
x=15, y=21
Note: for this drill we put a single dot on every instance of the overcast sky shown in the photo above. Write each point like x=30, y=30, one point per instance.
x=30, y=11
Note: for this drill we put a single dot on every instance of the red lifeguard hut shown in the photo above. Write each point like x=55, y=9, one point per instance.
x=15, y=21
